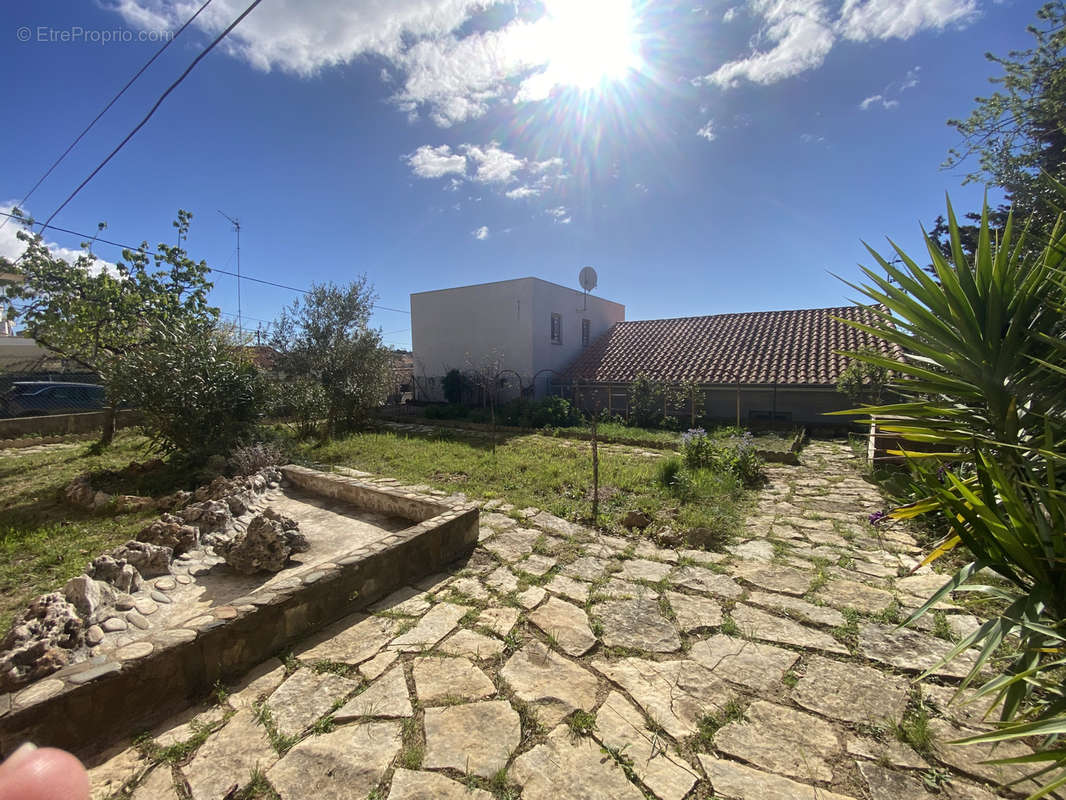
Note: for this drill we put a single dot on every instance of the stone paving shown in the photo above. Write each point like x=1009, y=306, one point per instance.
x=557, y=663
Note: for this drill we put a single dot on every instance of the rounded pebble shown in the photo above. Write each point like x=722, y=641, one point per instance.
x=114, y=624
x=224, y=612
x=159, y=597
x=146, y=607
x=94, y=635
x=137, y=620
x=165, y=584
x=183, y=579
x=135, y=650
x=123, y=602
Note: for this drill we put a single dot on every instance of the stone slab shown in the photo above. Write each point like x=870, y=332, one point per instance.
x=567, y=624
x=637, y=624
x=229, y=756
x=674, y=694
x=476, y=738
x=694, y=612
x=620, y=725
x=386, y=697
x=410, y=784
x=759, y=624
x=345, y=764
x=852, y=692
x=304, y=697
x=571, y=768
x=757, y=666
x=437, y=623
x=439, y=679
x=781, y=740
x=739, y=782
x=554, y=685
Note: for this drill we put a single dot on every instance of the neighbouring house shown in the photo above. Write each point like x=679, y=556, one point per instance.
x=779, y=366
x=524, y=330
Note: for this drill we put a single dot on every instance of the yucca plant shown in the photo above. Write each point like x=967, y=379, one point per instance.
x=983, y=379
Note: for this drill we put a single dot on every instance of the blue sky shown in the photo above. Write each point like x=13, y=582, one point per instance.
x=705, y=157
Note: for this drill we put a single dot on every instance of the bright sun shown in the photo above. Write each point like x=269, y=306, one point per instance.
x=590, y=41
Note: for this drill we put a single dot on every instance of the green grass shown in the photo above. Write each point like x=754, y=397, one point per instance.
x=43, y=541
x=529, y=470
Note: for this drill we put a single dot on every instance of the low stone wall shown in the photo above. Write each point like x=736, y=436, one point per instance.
x=62, y=424
x=85, y=706
x=370, y=496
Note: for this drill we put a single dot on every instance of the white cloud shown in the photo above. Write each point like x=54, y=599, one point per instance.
x=522, y=192
x=488, y=164
x=493, y=164
x=481, y=234
x=885, y=98
x=802, y=36
x=810, y=138
x=11, y=247
x=730, y=14
x=801, y=33
x=436, y=162
x=559, y=214
x=861, y=20
x=707, y=131
x=306, y=36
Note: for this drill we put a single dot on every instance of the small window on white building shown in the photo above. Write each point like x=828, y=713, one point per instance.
x=557, y=328
x=585, y=326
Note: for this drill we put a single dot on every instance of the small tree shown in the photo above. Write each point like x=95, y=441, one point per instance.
x=198, y=394
x=646, y=401
x=325, y=336
x=90, y=315
x=862, y=381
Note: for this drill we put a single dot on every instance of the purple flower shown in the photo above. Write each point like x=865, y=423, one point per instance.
x=877, y=516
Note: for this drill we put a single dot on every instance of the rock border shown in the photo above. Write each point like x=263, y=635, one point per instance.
x=132, y=689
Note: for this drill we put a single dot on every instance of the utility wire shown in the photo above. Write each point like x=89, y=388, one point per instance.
x=105, y=109
x=158, y=103
x=141, y=248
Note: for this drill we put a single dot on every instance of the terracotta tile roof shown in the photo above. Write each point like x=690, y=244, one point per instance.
x=763, y=347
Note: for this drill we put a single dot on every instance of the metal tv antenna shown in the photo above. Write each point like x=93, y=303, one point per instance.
x=587, y=279
x=237, y=227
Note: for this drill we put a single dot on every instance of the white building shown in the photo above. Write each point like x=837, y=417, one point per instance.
x=526, y=325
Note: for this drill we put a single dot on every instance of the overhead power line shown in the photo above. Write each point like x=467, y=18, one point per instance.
x=158, y=103
x=105, y=109
x=94, y=238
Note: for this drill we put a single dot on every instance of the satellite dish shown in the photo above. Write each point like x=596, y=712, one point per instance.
x=587, y=278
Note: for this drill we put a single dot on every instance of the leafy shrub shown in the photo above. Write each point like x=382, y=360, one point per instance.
x=300, y=401
x=198, y=395
x=733, y=454
x=453, y=385
x=697, y=449
x=553, y=411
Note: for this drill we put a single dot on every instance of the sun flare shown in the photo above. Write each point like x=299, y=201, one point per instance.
x=591, y=41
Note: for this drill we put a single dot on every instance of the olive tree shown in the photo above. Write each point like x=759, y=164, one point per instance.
x=325, y=336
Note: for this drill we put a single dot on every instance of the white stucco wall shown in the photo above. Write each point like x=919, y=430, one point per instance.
x=573, y=307
x=508, y=322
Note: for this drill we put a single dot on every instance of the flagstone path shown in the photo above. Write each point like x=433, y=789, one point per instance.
x=557, y=663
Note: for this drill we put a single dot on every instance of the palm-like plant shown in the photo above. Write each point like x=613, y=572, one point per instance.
x=983, y=379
